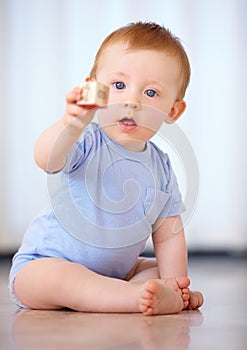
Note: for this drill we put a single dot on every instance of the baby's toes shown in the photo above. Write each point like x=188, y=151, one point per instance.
x=183, y=282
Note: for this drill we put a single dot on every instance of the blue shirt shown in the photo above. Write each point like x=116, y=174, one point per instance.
x=108, y=196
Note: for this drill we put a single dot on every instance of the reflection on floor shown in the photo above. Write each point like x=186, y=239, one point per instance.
x=221, y=322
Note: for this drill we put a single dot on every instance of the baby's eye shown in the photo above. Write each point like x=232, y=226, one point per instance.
x=119, y=85
x=151, y=93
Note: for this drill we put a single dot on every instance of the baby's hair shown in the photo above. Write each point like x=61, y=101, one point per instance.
x=149, y=36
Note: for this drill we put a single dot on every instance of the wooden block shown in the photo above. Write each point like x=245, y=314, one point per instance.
x=94, y=94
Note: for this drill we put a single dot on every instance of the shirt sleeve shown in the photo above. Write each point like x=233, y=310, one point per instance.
x=174, y=205
x=79, y=152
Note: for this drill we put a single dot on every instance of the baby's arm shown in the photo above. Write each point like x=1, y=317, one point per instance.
x=54, y=143
x=170, y=247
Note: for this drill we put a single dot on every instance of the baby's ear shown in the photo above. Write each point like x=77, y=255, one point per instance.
x=176, y=111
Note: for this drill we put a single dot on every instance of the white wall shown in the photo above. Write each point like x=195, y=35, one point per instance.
x=47, y=47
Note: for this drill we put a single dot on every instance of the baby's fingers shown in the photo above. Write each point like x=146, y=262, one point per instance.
x=75, y=110
x=74, y=96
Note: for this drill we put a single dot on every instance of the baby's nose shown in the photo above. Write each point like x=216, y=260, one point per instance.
x=133, y=105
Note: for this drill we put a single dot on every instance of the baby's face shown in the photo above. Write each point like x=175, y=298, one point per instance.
x=143, y=89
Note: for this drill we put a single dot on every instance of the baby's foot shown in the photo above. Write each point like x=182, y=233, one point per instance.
x=159, y=299
x=195, y=300
x=192, y=300
x=183, y=283
x=180, y=285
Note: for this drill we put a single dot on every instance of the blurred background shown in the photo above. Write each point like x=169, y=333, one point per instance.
x=47, y=48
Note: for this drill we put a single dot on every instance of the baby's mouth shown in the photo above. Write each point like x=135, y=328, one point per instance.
x=127, y=124
x=128, y=121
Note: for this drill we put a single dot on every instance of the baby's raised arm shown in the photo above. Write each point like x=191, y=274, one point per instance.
x=54, y=143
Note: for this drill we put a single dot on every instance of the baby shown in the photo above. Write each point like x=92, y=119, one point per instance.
x=114, y=189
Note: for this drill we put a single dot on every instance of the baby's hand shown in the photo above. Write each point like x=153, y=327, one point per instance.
x=76, y=115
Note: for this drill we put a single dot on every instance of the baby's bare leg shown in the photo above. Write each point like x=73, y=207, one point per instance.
x=50, y=283
x=56, y=283
x=145, y=269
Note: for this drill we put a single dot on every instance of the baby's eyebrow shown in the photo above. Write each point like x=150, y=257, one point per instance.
x=155, y=82
x=118, y=74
